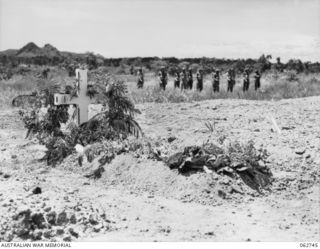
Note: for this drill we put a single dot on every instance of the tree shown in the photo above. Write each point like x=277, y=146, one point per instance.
x=295, y=64
x=184, y=64
x=263, y=63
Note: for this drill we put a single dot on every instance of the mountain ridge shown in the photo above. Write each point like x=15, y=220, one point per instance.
x=31, y=50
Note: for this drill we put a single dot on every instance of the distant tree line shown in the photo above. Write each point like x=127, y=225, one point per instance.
x=172, y=64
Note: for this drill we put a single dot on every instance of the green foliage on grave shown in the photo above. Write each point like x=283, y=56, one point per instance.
x=115, y=123
x=49, y=125
x=51, y=121
x=48, y=132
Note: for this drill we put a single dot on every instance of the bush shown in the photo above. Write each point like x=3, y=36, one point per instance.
x=291, y=76
x=113, y=124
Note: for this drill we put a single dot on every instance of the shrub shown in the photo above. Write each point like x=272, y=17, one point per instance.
x=291, y=76
x=113, y=124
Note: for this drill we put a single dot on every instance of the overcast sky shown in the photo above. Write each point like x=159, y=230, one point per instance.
x=189, y=28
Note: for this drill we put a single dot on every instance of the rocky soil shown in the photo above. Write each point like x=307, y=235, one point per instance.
x=138, y=199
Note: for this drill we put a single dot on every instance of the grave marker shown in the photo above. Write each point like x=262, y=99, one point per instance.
x=82, y=100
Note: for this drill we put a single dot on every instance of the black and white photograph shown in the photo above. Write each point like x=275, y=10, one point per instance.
x=159, y=121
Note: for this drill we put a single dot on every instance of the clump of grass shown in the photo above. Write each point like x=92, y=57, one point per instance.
x=210, y=126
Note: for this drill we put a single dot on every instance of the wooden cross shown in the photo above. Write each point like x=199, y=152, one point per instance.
x=82, y=100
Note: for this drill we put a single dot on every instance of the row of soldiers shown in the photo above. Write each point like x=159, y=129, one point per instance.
x=184, y=79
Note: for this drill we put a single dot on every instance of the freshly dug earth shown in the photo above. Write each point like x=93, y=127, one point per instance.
x=139, y=199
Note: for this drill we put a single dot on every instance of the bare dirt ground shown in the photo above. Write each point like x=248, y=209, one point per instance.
x=142, y=200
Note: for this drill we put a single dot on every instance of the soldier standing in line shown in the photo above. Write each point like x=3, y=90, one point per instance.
x=140, y=78
x=71, y=70
x=246, y=80
x=45, y=73
x=233, y=78
x=199, y=80
x=183, y=79
x=279, y=66
x=177, y=79
x=230, y=81
x=132, y=70
x=163, y=78
x=190, y=79
x=257, y=77
x=216, y=80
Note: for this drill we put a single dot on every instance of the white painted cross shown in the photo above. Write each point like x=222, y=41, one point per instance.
x=82, y=100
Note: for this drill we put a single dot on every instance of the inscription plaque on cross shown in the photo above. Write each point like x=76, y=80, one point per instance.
x=82, y=100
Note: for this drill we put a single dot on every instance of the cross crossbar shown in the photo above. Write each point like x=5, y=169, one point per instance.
x=82, y=100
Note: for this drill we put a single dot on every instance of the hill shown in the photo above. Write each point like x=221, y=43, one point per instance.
x=30, y=50
x=33, y=54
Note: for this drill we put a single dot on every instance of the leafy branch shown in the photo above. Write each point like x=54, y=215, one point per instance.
x=115, y=123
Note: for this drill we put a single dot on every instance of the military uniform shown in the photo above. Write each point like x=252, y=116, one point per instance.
x=71, y=70
x=189, y=79
x=45, y=73
x=216, y=81
x=183, y=79
x=279, y=66
x=199, y=80
x=140, y=79
x=233, y=78
x=162, y=79
x=132, y=70
x=230, y=81
x=246, y=81
x=257, y=77
x=176, y=80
